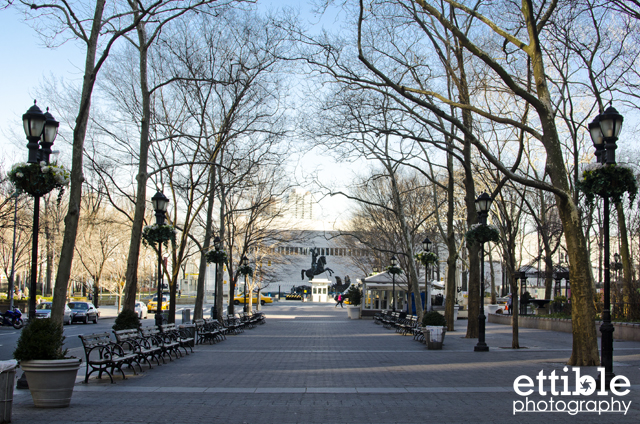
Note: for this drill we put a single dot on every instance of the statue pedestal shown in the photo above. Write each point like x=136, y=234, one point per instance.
x=320, y=289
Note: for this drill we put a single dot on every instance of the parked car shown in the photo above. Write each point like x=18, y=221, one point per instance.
x=141, y=310
x=151, y=306
x=43, y=310
x=239, y=298
x=83, y=312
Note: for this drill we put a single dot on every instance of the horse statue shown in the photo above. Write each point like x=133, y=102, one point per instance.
x=317, y=266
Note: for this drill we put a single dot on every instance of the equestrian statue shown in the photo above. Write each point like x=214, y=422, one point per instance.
x=317, y=266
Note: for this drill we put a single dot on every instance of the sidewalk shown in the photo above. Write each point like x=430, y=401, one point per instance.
x=310, y=364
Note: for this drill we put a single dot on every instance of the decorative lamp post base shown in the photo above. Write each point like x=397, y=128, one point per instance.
x=481, y=348
x=606, y=354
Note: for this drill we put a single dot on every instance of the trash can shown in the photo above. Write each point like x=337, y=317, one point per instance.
x=186, y=316
x=7, y=381
x=190, y=331
x=434, y=337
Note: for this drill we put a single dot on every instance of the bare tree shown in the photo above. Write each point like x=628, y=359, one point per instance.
x=97, y=27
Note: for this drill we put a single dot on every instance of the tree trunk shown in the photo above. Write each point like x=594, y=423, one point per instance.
x=492, y=273
x=585, y=341
x=406, y=240
x=452, y=257
x=131, y=276
x=470, y=199
x=515, y=313
x=197, y=314
x=49, y=240
x=625, y=254
x=77, y=178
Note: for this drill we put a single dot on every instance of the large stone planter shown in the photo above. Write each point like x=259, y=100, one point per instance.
x=354, y=312
x=51, y=382
x=433, y=345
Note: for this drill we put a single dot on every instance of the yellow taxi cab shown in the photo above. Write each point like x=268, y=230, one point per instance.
x=151, y=306
x=239, y=298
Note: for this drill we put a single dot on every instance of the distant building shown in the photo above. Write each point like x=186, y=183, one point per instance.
x=299, y=204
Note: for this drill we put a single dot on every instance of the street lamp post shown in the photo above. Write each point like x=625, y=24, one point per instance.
x=426, y=246
x=245, y=263
x=13, y=251
x=522, y=277
x=394, y=262
x=216, y=244
x=483, y=203
x=604, y=131
x=160, y=203
x=617, y=265
x=40, y=127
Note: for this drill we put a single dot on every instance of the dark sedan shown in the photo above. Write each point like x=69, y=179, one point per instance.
x=83, y=312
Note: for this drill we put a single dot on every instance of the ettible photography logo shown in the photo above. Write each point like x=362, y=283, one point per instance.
x=562, y=399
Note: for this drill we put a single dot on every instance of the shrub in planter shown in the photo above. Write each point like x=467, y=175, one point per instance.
x=355, y=296
x=50, y=374
x=40, y=339
x=434, y=318
x=127, y=320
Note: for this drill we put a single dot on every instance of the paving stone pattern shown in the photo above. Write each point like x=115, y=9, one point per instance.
x=311, y=364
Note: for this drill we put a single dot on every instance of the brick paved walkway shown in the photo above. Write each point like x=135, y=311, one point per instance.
x=311, y=364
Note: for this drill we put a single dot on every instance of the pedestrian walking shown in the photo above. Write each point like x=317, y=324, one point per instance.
x=509, y=303
x=339, y=302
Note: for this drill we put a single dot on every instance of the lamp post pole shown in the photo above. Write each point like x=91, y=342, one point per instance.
x=13, y=252
x=216, y=244
x=160, y=203
x=426, y=245
x=604, y=131
x=245, y=263
x=43, y=128
x=617, y=265
x=483, y=203
x=394, y=262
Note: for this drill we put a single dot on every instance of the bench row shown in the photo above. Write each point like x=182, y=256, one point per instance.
x=133, y=347
x=401, y=322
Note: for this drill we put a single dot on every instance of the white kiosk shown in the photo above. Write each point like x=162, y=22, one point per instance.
x=320, y=290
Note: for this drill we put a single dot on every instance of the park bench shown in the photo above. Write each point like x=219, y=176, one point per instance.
x=232, y=324
x=205, y=332
x=175, y=334
x=253, y=318
x=102, y=355
x=158, y=339
x=245, y=319
x=219, y=330
x=417, y=332
x=405, y=325
x=390, y=320
x=132, y=342
x=377, y=318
